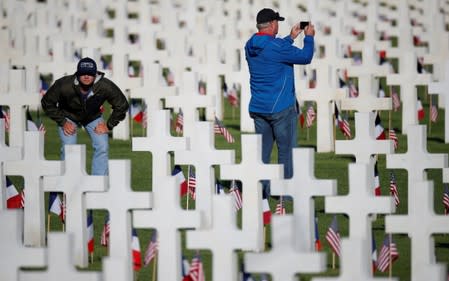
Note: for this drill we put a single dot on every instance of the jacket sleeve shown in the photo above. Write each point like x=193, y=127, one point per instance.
x=118, y=102
x=50, y=102
x=292, y=54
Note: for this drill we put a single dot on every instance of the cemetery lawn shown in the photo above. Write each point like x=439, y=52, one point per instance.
x=327, y=166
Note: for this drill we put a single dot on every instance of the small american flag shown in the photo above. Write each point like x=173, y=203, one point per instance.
x=433, y=110
x=232, y=97
x=343, y=124
x=151, y=251
x=310, y=116
x=104, y=240
x=396, y=101
x=392, y=135
x=446, y=199
x=394, y=189
x=192, y=184
x=280, y=208
x=179, y=122
x=196, y=271
x=333, y=236
x=388, y=253
x=353, y=92
x=234, y=190
x=220, y=129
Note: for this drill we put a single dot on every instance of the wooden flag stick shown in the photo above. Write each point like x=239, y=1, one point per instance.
x=48, y=222
x=188, y=187
x=92, y=257
x=430, y=110
x=153, y=276
x=333, y=260
x=390, y=267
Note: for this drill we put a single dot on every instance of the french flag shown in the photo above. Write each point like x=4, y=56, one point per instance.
x=266, y=211
x=180, y=179
x=90, y=232
x=420, y=110
x=13, y=197
x=55, y=205
x=379, y=130
x=136, y=112
x=137, y=258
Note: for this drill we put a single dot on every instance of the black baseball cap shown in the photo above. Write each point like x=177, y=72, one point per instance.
x=267, y=15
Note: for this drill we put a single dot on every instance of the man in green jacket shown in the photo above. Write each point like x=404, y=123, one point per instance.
x=76, y=100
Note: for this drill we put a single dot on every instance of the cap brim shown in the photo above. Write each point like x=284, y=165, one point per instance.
x=281, y=19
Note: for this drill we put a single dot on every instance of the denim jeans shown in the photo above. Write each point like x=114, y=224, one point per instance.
x=281, y=128
x=100, y=145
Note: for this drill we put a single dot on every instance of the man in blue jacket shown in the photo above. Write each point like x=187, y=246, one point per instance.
x=273, y=105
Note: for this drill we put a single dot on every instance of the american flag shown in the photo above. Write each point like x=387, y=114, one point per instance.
x=192, y=183
x=5, y=115
x=396, y=101
x=219, y=128
x=179, y=125
x=333, y=236
x=104, y=240
x=446, y=199
x=342, y=123
x=280, y=208
x=394, y=189
x=392, y=135
x=151, y=251
x=353, y=92
x=235, y=191
x=232, y=96
x=433, y=110
x=388, y=253
x=196, y=271
x=310, y=116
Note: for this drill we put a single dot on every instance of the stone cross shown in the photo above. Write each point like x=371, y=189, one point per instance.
x=408, y=79
x=360, y=202
x=303, y=187
x=189, y=100
x=356, y=250
x=440, y=88
x=202, y=154
x=292, y=261
x=420, y=224
x=365, y=143
x=167, y=217
x=223, y=238
x=119, y=200
x=74, y=182
x=367, y=101
x=13, y=253
x=17, y=99
x=417, y=159
x=33, y=156
x=152, y=91
x=252, y=224
x=324, y=94
x=61, y=263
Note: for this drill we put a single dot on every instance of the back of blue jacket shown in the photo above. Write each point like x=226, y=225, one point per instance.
x=270, y=61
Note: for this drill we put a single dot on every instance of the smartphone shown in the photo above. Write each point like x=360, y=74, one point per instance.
x=303, y=24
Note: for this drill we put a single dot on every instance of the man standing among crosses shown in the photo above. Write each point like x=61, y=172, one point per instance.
x=76, y=100
x=273, y=105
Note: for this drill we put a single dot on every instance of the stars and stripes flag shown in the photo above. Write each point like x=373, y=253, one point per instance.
x=394, y=189
x=396, y=101
x=235, y=191
x=196, y=271
x=379, y=130
x=318, y=246
x=301, y=117
x=104, y=240
x=232, y=96
x=446, y=198
x=333, y=236
x=310, y=116
x=90, y=232
x=353, y=91
x=266, y=212
x=280, y=207
x=192, y=184
x=388, y=254
x=219, y=128
x=4, y=114
x=433, y=110
x=377, y=189
x=14, y=199
x=55, y=205
x=342, y=123
x=179, y=124
x=151, y=251
x=180, y=179
x=136, y=254
x=420, y=110
x=392, y=136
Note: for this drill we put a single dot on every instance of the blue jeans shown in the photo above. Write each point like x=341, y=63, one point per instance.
x=282, y=128
x=100, y=145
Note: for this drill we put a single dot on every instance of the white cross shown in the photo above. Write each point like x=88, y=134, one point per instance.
x=75, y=182
x=440, y=88
x=303, y=187
x=33, y=156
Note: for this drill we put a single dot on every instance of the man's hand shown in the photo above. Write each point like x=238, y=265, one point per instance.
x=295, y=31
x=69, y=128
x=101, y=128
x=309, y=30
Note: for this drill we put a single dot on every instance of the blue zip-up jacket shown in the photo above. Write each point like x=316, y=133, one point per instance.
x=270, y=61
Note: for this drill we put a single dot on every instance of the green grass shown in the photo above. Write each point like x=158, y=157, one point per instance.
x=327, y=166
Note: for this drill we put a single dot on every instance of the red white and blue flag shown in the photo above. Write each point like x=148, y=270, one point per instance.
x=55, y=205
x=14, y=199
x=135, y=245
x=180, y=179
x=151, y=251
x=90, y=232
x=388, y=254
x=333, y=236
